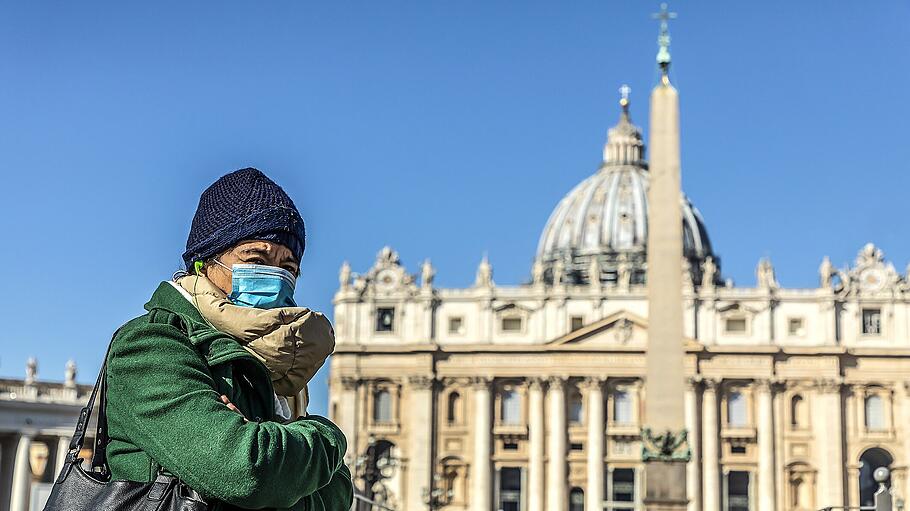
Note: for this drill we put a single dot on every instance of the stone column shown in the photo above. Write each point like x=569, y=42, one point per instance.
x=22, y=476
x=557, y=480
x=829, y=443
x=710, y=449
x=594, y=493
x=347, y=411
x=852, y=490
x=904, y=432
x=63, y=448
x=693, y=470
x=766, y=494
x=535, y=445
x=420, y=439
x=781, y=406
x=481, y=474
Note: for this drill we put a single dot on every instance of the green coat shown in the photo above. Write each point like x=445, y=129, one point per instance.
x=166, y=372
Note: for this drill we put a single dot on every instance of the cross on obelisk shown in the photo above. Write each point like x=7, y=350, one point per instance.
x=663, y=39
x=665, y=449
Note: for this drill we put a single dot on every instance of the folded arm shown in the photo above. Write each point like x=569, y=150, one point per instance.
x=166, y=400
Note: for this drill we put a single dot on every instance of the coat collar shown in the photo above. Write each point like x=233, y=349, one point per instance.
x=216, y=346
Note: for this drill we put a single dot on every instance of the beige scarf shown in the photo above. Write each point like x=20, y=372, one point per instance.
x=292, y=342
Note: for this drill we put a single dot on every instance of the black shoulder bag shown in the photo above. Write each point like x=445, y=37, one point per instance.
x=78, y=490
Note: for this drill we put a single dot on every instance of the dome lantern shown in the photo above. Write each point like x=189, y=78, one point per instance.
x=624, y=142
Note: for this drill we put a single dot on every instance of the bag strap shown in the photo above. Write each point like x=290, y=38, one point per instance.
x=85, y=415
x=99, y=452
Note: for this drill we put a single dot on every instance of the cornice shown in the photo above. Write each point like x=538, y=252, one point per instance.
x=549, y=349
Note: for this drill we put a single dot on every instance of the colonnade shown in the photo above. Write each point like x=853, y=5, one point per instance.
x=15, y=453
x=547, y=445
x=547, y=482
x=712, y=438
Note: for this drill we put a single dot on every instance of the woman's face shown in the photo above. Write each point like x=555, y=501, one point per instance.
x=250, y=252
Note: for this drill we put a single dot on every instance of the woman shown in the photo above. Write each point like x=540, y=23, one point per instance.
x=196, y=385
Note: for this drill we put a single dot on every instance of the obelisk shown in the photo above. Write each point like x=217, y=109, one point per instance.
x=664, y=445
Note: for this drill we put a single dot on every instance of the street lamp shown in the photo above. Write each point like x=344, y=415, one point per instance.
x=437, y=497
x=373, y=466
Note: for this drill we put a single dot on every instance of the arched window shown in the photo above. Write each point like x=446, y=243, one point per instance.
x=382, y=406
x=383, y=455
x=798, y=412
x=453, y=408
x=622, y=407
x=875, y=412
x=869, y=461
x=736, y=409
x=576, y=499
x=576, y=409
x=511, y=407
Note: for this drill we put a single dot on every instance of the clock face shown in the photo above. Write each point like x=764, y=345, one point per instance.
x=385, y=280
x=872, y=279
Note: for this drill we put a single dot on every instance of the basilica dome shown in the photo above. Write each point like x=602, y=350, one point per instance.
x=602, y=224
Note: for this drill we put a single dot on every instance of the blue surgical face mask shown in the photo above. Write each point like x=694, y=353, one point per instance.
x=261, y=286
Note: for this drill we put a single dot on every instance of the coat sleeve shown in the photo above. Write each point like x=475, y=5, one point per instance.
x=338, y=495
x=164, y=398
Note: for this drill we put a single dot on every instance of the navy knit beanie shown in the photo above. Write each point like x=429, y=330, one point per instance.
x=243, y=205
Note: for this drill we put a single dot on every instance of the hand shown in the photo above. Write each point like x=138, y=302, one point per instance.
x=231, y=406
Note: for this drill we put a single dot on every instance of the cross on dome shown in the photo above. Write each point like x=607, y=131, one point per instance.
x=625, y=90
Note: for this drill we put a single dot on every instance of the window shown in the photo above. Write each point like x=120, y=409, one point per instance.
x=622, y=407
x=510, y=446
x=622, y=488
x=735, y=325
x=737, y=449
x=511, y=407
x=576, y=446
x=456, y=325
x=385, y=319
x=453, y=408
x=875, y=413
x=738, y=491
x=577, y=499
x=382, y=406
x=798, y=412
x=512, y=324
x=736, y=409
x=872, y=321
x=577, y=322
x=802, y=487
x=796, y=490
x=576, y=409
x=796, y=327
x=510, y=489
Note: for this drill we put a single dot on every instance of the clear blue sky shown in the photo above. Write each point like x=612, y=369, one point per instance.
x=444, y=129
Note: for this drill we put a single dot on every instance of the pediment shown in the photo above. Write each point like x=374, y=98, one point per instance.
x=621, y=328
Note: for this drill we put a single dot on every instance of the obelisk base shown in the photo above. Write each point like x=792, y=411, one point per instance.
x=665, y=486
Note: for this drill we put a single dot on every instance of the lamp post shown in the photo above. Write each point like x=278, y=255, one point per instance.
x=372, y=467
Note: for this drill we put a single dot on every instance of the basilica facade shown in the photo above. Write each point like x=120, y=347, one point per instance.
x=530, y=397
